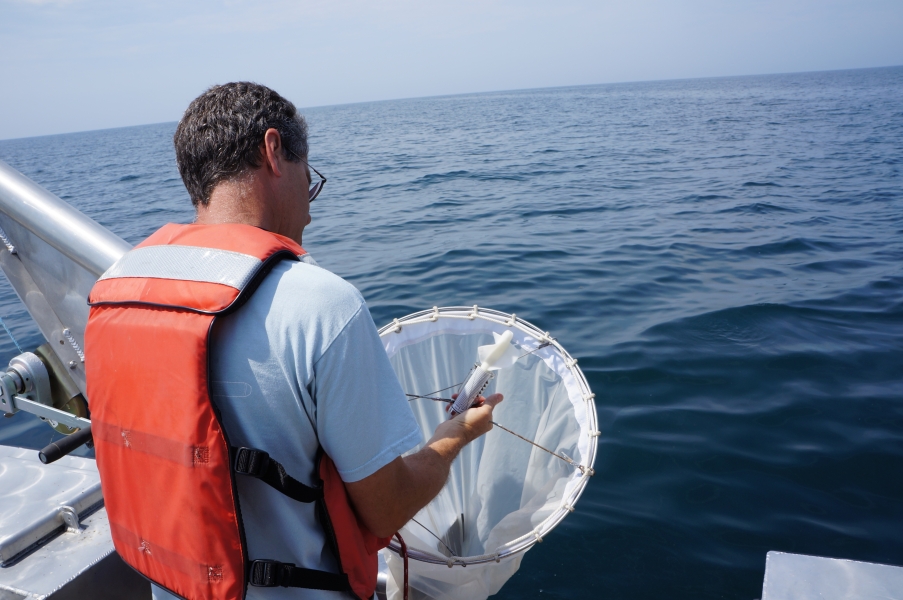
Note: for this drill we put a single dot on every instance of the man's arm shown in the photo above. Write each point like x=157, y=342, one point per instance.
x=390, y=497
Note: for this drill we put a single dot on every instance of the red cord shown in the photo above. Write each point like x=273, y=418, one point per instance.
x=404, y=556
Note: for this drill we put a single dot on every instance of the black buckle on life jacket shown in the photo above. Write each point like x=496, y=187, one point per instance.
x=270, y=573
x=257, y=463
x=249, y=461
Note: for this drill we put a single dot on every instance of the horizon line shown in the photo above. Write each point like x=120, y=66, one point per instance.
x=485, y=92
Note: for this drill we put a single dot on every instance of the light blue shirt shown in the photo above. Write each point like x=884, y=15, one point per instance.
x=299, y=366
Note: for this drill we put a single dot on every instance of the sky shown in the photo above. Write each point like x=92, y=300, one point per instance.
x=78, y=65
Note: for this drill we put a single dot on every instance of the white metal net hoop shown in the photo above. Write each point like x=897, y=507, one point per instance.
x=418, y=326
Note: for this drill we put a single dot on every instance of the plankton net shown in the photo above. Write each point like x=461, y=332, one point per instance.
x=512, y=486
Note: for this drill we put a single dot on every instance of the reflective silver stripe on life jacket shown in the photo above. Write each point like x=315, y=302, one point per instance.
x=186, y=263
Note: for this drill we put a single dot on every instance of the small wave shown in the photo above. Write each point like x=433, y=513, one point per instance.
x=769, y=329
x=758, y=208
x=761, y=184
x=792, y=246
x=446, y=204
x=837, y=266
x=563, y=211
x=740, y=326
x=720, y=230
x=434, y=178
x=816, y=221
x=703, y=197
x=129, y=177
x=715, y=120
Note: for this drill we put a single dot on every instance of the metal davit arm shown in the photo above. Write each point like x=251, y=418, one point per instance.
x=52, y=254
x=72, y=233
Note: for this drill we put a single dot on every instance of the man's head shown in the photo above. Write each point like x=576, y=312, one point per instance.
x=220, y=136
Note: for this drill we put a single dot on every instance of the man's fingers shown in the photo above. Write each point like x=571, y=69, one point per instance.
x=494, y=399
x=490, y=401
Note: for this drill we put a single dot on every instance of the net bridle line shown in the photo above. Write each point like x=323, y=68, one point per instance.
x=566, y=459
x=570, y=461
x=430, y=531
x=416, y=397
x=429, y=395
x=539, y=347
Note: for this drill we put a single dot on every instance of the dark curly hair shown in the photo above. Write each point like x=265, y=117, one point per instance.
x=220, y=134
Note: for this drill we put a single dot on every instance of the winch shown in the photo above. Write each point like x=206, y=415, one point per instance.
x=27, y=385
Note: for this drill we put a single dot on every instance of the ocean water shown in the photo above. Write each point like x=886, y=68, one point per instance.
x=724, y=257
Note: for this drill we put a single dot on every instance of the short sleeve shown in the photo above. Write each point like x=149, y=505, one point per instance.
x=364, y=420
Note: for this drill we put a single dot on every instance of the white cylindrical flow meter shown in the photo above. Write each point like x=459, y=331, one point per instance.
x=479, y=376
x=467, y=395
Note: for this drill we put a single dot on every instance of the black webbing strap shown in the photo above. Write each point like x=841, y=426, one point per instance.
x=272, y=573
x=257, y=463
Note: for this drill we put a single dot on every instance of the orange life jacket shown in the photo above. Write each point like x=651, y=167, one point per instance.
x=166, y=465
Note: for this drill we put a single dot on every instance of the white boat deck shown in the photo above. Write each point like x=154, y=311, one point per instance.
x=801, y=577
x=54, y=535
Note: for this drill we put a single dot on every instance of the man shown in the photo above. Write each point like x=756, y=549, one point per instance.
x=300, y=366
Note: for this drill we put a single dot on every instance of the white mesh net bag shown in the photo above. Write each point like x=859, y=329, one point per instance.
x=504, y=493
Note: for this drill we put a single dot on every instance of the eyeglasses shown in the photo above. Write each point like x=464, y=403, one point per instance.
x=315, y=187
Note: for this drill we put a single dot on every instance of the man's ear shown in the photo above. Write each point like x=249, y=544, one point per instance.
x=271, y=151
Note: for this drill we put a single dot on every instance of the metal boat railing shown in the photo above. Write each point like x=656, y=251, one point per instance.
x=52, y=255
x=70, y=232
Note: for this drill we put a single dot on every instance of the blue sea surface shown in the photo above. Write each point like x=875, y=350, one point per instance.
x=723, y=256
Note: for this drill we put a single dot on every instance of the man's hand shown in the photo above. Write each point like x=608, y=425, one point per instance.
x=389, y=498
x=473, y=422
